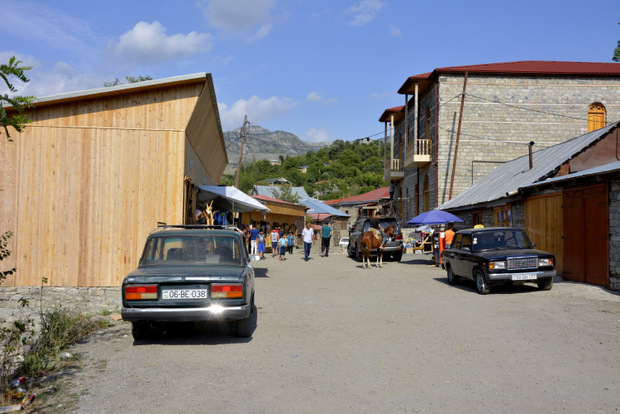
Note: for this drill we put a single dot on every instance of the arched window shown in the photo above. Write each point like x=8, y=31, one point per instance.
x=596, y=116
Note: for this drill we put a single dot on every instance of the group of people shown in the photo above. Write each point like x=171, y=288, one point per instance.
x=281, y=243
x=308, y=237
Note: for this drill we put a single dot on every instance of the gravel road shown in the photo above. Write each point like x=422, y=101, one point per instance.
x=332, y=337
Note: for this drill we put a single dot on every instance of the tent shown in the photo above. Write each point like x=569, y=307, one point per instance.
x=228, y=198
x=317, y=207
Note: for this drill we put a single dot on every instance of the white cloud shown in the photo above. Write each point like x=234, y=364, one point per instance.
x=364, y=11
x=318, y=135
x=315, y=96
x=249, y=19
x=395, y=31
x=257, y=110
x=149, y=43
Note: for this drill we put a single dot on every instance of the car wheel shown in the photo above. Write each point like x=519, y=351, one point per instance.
x=141, y=331
x=350, y=252
x=481, y=285
x=545, y=284
x=452, y=278
x=398, y=256
x=244, y=326
x=358, y=253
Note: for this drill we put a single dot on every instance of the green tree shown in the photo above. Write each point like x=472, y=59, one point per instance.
x=616, y=57
x=129, y=79
x=16, y=118
x=284, y=192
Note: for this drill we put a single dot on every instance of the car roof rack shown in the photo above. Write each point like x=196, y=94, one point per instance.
x=163, y=226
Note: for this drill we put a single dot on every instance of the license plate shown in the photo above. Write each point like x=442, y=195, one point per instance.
x=528, y=276
x=184, y=294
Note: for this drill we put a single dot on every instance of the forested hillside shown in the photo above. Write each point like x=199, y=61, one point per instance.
x=342, y=169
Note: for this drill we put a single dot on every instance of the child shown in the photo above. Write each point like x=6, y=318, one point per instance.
x=282, y=242
x=260, y=240
x=291, y=242
x=274, y=241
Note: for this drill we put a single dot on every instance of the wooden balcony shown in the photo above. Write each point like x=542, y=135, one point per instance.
x=418, y=155
x=393, y=170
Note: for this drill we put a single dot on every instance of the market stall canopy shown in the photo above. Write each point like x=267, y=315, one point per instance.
x=318, y=207
x=228, y=198
x=434, y=217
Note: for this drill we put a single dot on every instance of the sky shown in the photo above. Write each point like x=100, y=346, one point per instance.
x=320, y=69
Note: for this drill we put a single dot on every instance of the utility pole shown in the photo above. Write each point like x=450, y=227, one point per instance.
x=245, y=121
x=458, y=136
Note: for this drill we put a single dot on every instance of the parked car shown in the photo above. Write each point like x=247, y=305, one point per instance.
x=497, y=255
x=393, y=246
x=190, y=273
x=344, y=242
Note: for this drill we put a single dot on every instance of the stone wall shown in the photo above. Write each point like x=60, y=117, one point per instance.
x=88, y=300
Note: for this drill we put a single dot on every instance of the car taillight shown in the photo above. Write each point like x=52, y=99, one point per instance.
x=221, y=291
x=141, y=292
x=399, y=236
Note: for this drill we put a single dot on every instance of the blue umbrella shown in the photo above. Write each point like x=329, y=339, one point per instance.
x=434, y=217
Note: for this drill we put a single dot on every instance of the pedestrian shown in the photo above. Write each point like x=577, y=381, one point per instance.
x=282, y=242
x=291, y=242
x=307, y=235
x=449, y=235
x=274, y=241
x=253, y=235
x=260, y=239
x=200, y=216
x=326, y=236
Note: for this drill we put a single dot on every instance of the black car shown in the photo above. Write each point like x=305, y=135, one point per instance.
x=190, y=274
x=497, y=255
x=393, y=246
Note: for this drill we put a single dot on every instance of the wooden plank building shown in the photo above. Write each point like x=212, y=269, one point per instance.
x=96, y=170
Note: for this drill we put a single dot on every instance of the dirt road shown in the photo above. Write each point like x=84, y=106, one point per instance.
x=331, y=337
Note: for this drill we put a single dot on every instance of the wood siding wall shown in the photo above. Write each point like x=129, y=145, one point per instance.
x=543, y=223
x=87, y=180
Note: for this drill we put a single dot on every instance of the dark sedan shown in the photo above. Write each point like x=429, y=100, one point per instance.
x=495, y=256
x=190, y=274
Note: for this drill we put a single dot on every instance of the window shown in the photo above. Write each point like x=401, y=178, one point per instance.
x=503, y=216
x=596, y=116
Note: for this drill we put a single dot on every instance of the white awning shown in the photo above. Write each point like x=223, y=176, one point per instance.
x=229, y=198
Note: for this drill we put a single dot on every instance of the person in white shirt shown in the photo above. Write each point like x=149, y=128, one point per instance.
x=307, y=235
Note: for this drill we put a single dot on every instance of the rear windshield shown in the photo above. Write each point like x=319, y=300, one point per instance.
x=166, y=250
x=501, y=239
x=384, y=223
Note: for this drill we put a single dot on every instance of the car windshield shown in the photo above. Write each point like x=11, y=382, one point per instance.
x=191, y=250
x=500, y=239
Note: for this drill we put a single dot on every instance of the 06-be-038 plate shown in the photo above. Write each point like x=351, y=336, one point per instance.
x=184, y=294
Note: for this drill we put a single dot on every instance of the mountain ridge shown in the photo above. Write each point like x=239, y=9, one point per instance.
x=263, y=144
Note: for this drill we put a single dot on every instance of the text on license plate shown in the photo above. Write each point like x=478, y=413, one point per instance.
x=527, y=276
x=184, y=294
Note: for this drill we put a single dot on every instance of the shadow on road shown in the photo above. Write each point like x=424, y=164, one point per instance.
x=198, y=333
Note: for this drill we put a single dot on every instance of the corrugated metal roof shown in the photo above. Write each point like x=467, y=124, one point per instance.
x=119, y=89
x=601, y=169
x=512, y=175
x=267, y=190
x=369, y=197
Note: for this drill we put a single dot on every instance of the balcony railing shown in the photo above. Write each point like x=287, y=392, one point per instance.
x=418, y=153
x=393, y=170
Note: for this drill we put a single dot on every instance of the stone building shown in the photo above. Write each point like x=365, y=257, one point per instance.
x=459, y=123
